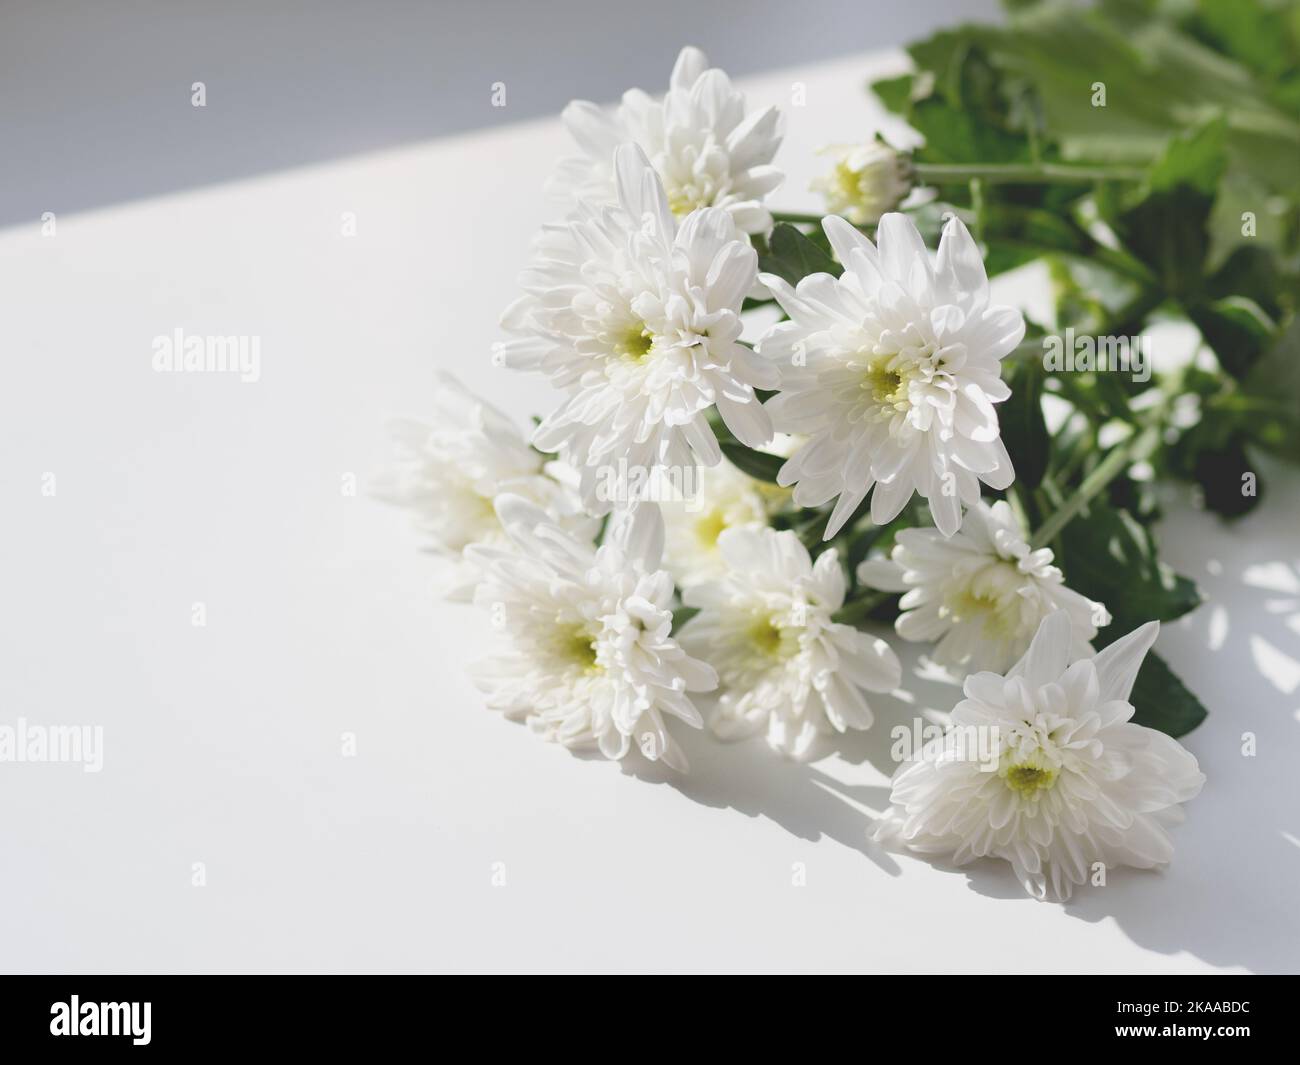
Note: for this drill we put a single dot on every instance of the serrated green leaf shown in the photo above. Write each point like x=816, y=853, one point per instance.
x=1161, y=701
x=953, y=135
x=792, y=256
x=895, y=93
x=1109, y=557
x=758, y=464
x=1195, y=159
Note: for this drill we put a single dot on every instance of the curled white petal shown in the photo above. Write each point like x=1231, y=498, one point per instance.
x=450, y=468
x=707, y=151
x=891, y=371
x=1044, y=769
x=637, y=321
x=980, y=594
x=785, y=667
x=590, y=661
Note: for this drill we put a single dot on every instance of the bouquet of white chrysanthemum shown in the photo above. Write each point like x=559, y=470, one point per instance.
x=718, y=524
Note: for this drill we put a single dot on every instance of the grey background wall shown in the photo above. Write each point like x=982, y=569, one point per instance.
x=95, y=94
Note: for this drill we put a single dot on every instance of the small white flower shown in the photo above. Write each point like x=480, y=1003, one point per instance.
x=784, y=665
x=866, y=181
x=591, y=661
x=638, y=321
x=724, y=498
x=707, y=151
x=447, y=472
x=892, y=371
x=980, y=593
x=1076, y=785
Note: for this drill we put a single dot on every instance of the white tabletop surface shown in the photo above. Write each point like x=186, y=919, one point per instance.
x=223, y=743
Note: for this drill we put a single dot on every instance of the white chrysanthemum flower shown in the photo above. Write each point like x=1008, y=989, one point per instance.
x=723, y=498
x=866, y=181
x=447, y=471
x=980, y=593
x=707, y=151
x=1075, y=785
x=638, y=321
x=592, y=662
x=784, y=665
x=892, y=370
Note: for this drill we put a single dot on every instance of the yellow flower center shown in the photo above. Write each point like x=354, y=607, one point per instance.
x=990, y=598
x=849, y=182
x=683, y=201
x=774, y=496
x=636, y=342
x=710, y=527
x=577, y=647
x=1027, y=778
x=766, y=636
x=772, y=638
x=886, y=385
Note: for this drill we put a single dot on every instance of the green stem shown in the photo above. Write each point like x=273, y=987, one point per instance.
x=977, y=205
x=1017, y=503
x=796, y=218
x=1138, y=445
x=799, y=219
x=1021, y=173
x=1049, y=493
x=1070, y=467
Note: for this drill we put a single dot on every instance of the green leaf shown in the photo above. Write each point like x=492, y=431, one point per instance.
x=953, y=135
x=1086, y=293
x=1165, y=223
x=1035, y=228
x=895, y=93
x=1195, y=159
x=1167, y=231
x=758, y=464
x=681, y=616
x=1161, y=701
x=792, y=256
x=1251, y=271
x=1023, y=429
x=1274, y=220
x=1250, y=32
x=1018, y=233
x=1158, y=80
x=1109, y=557
x=1237, y=329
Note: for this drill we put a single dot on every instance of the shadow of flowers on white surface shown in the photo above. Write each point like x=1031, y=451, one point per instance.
x=1227, y=898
